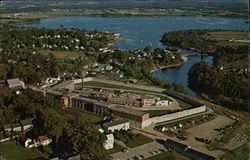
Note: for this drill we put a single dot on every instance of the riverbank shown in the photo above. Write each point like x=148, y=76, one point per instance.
x=167, y=66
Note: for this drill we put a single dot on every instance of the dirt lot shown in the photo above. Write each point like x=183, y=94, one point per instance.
x=206, y=130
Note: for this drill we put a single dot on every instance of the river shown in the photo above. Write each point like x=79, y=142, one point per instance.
x=142, y=31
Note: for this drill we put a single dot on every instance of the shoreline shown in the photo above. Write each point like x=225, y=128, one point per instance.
x=35, y=17
x=167, y=66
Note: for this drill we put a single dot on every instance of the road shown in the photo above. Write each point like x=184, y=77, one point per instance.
x=140, y=150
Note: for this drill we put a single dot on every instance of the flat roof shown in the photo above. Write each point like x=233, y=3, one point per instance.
x=116, y=122
x=64, y=83
x=14, y=81
x=53, y=92
x=127, y=110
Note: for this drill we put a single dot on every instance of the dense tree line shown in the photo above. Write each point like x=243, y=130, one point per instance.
x=229, y=89
x=203, y=42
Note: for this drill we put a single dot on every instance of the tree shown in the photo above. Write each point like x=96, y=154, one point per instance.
x=148, y=49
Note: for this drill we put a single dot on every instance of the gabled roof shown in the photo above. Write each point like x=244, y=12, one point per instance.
x=43, y=138
x=24, y=138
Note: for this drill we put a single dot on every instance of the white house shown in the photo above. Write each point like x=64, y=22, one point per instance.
x=17, y=127
x=27, y=142
x=116, y=125
x=41, y=140
x=44, y=140
x=109, y=142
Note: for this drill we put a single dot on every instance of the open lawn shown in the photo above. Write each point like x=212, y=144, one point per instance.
x=183, y=104
x=243, y=63
x=138, y=140
x=116, y=148
x=12, y=151
x=241, y=153
x=227, y=35
x=107, y=85
x=168, y=155
x=86, y=114
x=61, y=54
x=79, y=112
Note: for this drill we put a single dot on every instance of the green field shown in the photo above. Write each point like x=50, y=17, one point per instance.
x=90, y=116
x=241, y=153
x=12, y=151
x=168, y=156
x=183, y=104
x=243, y=63
x=138, y=140
x=227, y=35
x=117, y=148
x=107, y=85
x=61, y=54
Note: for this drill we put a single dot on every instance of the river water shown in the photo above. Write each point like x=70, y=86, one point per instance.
x=142, y=31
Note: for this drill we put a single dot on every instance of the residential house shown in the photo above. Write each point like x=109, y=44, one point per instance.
x=41, y=140
x=44, y=140
x=17, y=127
x=27, y=142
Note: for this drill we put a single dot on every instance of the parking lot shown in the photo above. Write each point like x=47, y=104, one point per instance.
x=144, y=151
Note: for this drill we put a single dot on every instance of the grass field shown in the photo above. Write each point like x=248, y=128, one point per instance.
x=138, y=140
x=184, y=105
x=61, y=54
x=243, y=63
x=116, y=148
x=227, y=35
x=107, y=85
x=79, y=112
x=241, y=153
x=87, y=113
x=168, y=155
x=12, y=151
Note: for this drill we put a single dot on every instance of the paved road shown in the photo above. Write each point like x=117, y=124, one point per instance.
x=140, y=150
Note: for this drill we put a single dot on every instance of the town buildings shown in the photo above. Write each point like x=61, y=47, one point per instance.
x=40, y=141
